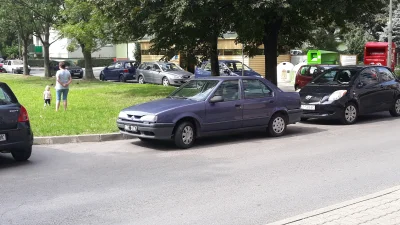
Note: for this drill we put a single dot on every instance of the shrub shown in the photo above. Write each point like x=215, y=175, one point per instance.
x=36, y=62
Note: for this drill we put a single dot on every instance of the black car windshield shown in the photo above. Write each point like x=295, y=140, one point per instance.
x=336, y=76
x=197, y=90
x=170, y=67
x=69, y=63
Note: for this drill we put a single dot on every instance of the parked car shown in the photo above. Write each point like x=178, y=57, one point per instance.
x=226, y=67
x=207, y=106
x=165, y=73
x=346, y=92
x=119, y=71
x=15, y=66
x=307, y=73
x=16, y=136
x=2, y=70
x=74, y=70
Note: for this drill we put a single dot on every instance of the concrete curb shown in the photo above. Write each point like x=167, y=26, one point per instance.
x=80, y=138
x=334, y=207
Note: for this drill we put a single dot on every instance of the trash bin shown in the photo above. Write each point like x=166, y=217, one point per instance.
x=284, y=69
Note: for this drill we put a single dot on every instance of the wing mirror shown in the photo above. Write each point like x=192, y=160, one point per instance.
x=217, y=98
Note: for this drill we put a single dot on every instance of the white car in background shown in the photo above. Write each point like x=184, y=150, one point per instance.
x=15, y=66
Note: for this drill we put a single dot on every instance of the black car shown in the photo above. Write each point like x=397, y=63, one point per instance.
x=76, y=71
x=16, y=136
x=346, y=92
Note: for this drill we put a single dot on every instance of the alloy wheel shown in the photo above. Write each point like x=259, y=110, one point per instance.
x=187, y=135
x=278, y=125
x=350, y=113
x=165, y=81
x=141, y=80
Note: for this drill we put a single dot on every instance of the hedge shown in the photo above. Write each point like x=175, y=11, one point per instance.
x=97, y=62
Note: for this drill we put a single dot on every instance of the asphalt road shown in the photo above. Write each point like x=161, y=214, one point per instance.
x=242, y=179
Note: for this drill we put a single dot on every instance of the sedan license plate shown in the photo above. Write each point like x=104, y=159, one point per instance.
x=2, y=137
x=131, y=128
x=308, y=107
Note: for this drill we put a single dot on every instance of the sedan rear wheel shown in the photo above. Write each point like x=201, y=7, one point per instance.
x=165, y=81
x=395, y=111
x=350, y=114
x=184, y=135
x=277, y=125
x=140, y=80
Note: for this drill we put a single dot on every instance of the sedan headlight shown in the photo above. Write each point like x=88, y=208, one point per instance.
x=123, y=115
x=149, y=118
x=337, y=95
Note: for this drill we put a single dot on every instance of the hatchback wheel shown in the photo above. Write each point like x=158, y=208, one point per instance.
x=184, y=135
x=122, y=79
x=22, y=155
x=350, y=114
x=277, y=125
x=395, y=111
x=140, y=80
x=102, y=77
x=165, y=81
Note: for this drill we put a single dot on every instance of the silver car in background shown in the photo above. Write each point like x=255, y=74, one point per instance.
x=165, y=73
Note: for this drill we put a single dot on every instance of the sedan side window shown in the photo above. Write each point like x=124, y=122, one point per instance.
x=255, y=89
x=118, y=65
x=229, y=90
x=4, y=97
x=156, y=67
x=112, y=66
x=304, y=71
x=207, y=67
x=369, y=77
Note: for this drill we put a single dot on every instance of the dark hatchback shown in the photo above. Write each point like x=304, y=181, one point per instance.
x=74, y=70
x=119, y=71
x=16, y=136
x=344, y=93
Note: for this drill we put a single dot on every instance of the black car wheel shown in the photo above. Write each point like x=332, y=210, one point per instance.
x=277, y=125
x=395, y=111
x=350, y=114
x=184, y=135
x=22, y=155
x=102, y=77
x=122, y=78
x=140, y=79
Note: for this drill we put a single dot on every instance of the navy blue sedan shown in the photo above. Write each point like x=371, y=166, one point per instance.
x=207, y=106
x=119, y=71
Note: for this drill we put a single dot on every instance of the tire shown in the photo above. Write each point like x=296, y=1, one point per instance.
x=184, y=135
x=349, y=114
x=395, y=111
x=165, y=82
x=102, y=78
x=141, y=79
x=277, y=125
x=296, y=87
x=122, y=79
x=23, y=155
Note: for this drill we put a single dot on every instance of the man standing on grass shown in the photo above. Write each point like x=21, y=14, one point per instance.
x=64, y=79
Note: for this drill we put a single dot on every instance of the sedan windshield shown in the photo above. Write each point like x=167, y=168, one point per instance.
x=170, y=67
x=197, y=90
x=336, y=76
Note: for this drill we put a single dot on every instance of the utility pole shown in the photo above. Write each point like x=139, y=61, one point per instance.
x=242, y=60
x=390, y=40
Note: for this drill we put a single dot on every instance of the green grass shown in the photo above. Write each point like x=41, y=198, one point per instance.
x=93, y=107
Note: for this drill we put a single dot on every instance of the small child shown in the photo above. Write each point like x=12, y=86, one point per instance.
x=47, y=96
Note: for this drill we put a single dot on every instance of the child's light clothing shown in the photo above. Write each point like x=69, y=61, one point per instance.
x=47, y=97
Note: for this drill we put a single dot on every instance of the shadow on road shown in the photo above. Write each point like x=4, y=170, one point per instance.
x=362, y=120
x=6, y=161
x=215, y=141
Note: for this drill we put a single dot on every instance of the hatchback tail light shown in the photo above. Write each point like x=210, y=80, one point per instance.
x=23, y=115
x=126, y=71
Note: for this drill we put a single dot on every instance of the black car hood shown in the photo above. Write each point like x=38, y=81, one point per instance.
x=314, y=93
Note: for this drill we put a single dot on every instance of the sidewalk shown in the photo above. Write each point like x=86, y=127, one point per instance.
x=379, y=208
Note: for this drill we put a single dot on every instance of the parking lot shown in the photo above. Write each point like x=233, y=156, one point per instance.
x=241, y=179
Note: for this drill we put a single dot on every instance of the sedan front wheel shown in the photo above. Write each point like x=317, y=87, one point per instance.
x=184, y=135
x=350, y=114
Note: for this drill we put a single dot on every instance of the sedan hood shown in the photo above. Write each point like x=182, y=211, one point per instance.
x=157, y=106
x=314, y=93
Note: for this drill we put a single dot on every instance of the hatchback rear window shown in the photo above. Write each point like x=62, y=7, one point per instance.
x=6, y=96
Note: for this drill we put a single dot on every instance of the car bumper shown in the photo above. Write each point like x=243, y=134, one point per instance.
x=76, y=74
x=295, y=115
x=160, y=131
x=17, y=139
x=324, y=111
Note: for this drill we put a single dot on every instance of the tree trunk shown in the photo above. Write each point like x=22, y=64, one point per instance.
x=87, y=55
x=214, y=57
x=46, y=49
x=270, y=41
x=25, y=55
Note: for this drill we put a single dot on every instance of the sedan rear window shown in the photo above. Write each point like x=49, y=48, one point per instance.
x=6, y=96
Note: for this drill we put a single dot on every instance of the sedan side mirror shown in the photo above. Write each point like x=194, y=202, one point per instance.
x=217, y=98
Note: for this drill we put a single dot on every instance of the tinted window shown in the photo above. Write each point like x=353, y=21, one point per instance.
x=118, y=65
x=156, y=67
x=112, y=66
x=385, y=74
x=336, y=76
x=369, y=76
x=229, y=90
x=313, y=70
x=255, y=89
x=6, y=96
x=304, y=71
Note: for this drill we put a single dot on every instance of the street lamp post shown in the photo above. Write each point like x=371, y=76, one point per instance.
x=242, y=60
x=390, y=40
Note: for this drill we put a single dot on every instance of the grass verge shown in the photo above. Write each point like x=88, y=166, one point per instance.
x=93, y=106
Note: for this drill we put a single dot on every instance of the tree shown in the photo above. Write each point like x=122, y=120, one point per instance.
x=22, y=21
x=189, y=27
x=275, y=22
x=45, y=17
x=355, y=40
x=395, y=28
x=86, y=27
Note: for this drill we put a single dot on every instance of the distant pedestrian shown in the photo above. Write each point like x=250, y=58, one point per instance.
x=63, y=80
x=47, y=96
